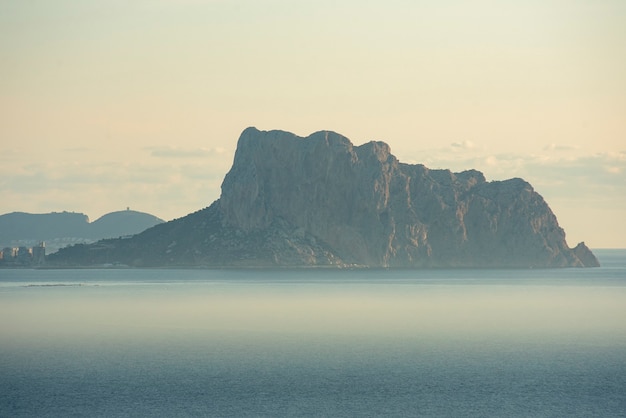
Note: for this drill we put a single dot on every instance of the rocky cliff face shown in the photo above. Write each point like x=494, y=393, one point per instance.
x=372, y=210
x=290, y=201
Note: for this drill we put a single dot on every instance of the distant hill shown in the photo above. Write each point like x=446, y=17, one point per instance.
x=321, y=201
x=58, y=229
x=125, y=222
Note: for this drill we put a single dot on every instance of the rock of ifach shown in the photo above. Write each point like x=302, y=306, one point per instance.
x=321, y=201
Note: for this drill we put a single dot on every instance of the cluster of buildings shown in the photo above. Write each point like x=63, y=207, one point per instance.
x=23, y=256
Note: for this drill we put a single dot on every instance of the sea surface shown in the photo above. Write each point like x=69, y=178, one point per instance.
x=315, y=342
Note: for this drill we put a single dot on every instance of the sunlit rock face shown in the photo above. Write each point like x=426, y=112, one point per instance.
x=321, y=201
x=369, y=209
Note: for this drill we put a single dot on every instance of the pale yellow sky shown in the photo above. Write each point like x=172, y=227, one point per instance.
x=111, y=104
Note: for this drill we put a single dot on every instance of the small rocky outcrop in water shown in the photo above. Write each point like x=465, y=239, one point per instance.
x=321, y=201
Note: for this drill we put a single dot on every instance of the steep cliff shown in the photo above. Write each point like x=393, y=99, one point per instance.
x=320, y=200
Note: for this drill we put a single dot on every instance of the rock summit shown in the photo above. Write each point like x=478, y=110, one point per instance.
x=321, y=201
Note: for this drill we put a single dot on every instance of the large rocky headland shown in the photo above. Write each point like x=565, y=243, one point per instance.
x=321, y=201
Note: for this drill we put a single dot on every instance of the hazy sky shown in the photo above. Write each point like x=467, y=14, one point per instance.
x=109, y=104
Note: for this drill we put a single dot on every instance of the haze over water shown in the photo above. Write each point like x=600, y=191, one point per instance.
x=314, y=342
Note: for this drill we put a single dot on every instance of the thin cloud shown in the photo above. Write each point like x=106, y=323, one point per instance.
x=463, y=145
x=168, y=188
x=174, y=152
x=555, y=175
x=77, y=149
x=560, y=147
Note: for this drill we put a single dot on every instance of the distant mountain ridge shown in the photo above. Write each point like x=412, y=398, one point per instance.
x=18, y=227
x=321, y=201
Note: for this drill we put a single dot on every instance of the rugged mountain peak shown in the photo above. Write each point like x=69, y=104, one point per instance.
x=320, y=200
x=372, y=210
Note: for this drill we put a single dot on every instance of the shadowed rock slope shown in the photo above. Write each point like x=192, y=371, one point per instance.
x=321, y=201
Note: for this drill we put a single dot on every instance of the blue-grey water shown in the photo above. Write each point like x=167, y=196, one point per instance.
x=458, y=343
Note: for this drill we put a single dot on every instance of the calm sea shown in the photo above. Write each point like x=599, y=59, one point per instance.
x=236, y=343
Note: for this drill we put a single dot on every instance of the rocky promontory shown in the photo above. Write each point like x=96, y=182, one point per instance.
x=321, y=201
